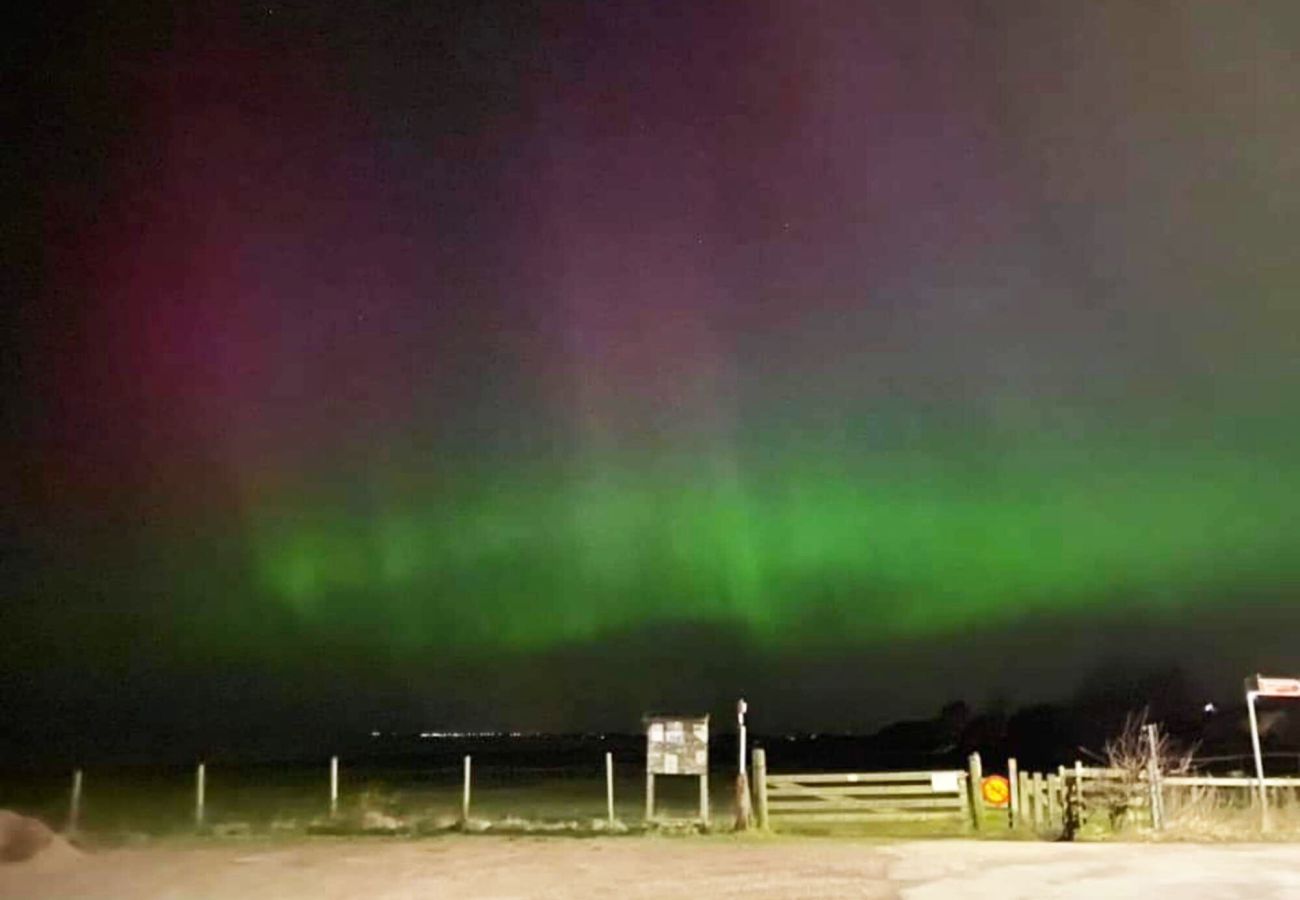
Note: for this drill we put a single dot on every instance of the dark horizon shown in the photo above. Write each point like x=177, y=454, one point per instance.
x=220, y=722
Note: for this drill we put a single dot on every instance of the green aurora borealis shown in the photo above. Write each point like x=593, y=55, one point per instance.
x=913, y=542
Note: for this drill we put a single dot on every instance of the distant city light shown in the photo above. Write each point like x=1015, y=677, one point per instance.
x=440, y=735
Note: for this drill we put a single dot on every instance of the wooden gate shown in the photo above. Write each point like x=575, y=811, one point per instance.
x=866, y=797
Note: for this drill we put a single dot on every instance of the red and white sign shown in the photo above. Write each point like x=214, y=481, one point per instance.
x=1277, y=687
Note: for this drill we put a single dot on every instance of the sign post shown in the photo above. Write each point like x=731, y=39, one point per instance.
x=744, y=808
x=1259, y=686
x=741, y=708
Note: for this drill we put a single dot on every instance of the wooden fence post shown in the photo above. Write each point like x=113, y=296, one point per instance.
x=1053, y=799
x=609, y=786
x=464, y=800
x=1013, y=802
x=74, y=807
x=1026, y=801
x=1153, y=778
x=334, y=786
x=975, y=771
x=1038, y=791
x=200, y=794
x=744, y=804
x=760, y=785
x=1072, y=788
x=1078, y=789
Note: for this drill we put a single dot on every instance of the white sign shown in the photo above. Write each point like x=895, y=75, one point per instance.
x=1277, y=687
x=944, y=782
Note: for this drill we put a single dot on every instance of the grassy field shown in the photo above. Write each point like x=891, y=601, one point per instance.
x=162, y=802
x=125, y=803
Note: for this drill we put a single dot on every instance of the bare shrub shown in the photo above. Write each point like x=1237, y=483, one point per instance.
x=1128, y=755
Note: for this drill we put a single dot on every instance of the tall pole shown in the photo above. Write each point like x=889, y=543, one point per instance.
x=1259, y=759
x=741, y=709
x=744, y=806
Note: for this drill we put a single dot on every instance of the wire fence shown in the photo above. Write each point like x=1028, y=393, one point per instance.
x=370, y=794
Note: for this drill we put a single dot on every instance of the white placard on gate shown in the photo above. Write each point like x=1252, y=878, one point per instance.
x=944, y=782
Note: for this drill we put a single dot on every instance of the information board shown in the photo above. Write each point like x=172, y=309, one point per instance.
x=677, y=745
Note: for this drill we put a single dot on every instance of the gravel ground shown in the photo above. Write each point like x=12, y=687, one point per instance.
x=530, y=867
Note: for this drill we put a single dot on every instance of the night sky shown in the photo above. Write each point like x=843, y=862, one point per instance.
x=536, y=365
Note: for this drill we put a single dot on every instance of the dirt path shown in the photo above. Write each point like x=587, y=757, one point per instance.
x=499, y=867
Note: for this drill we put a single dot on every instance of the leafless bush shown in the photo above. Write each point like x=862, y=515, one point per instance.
x=1129, y=755
x=1130, y=750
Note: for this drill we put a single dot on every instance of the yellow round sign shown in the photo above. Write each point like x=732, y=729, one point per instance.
x=996, y=791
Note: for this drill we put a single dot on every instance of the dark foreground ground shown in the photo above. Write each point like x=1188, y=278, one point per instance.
x=530, y=867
